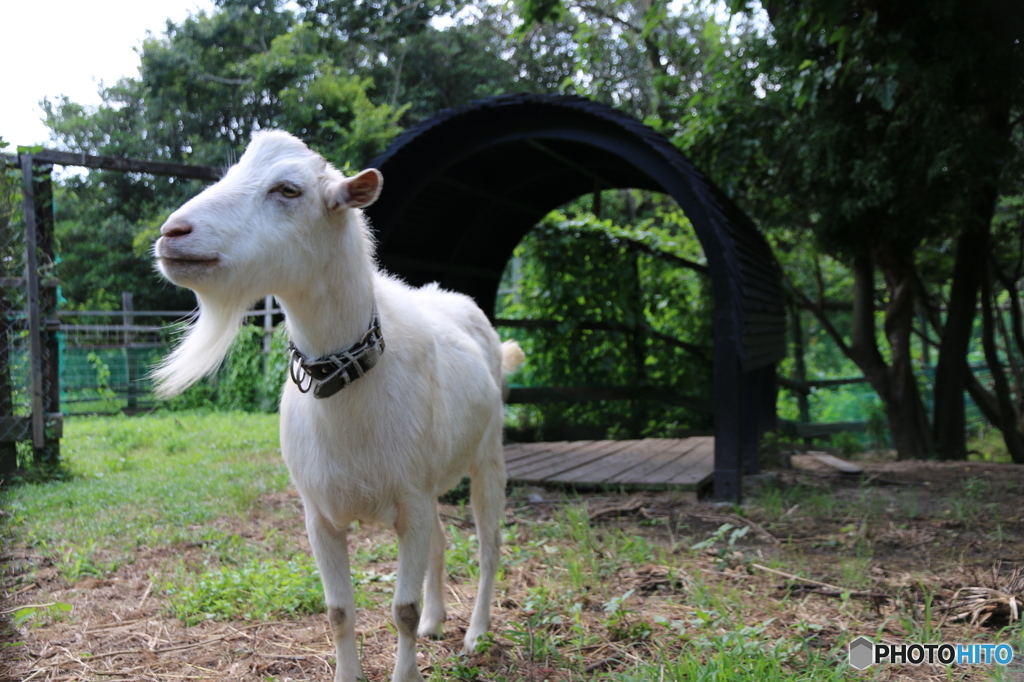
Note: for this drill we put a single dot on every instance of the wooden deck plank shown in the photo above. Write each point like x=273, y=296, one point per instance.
x=521, y=452
x=595, y=471
x=690, y=469
x=542, y=470
x=543, y=453
x=618, y=463
x=538, y=471
x=683, y=464
x=652, y=469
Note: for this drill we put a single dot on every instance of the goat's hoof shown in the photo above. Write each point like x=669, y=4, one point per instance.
x=432, y=624
x=431, y=633
x=409, y=676
x=341, y=676
x=431, y=628
x=472, y=642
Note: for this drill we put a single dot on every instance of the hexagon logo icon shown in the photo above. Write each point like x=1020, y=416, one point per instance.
x=862, y=653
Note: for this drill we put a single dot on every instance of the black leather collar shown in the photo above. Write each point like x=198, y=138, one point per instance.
x=331, y=373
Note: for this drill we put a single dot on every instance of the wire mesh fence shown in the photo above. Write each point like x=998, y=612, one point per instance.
x=105, y=361
x=107, y=356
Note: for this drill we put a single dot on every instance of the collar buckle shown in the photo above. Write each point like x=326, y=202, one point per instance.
x=331, y=373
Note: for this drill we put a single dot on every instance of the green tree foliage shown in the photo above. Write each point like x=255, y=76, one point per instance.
x=343, y=76
x=639, y=56
x=625, y=314
x=904, y=126
x=10, y=194
x=215, y=84
x=873, y=143
x=883, y=132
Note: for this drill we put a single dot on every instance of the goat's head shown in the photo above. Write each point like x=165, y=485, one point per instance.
x=252, y=234
x=251, y=230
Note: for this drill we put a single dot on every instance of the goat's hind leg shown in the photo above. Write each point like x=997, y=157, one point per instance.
x=330, y=547
x=432, y=618
x=487, y=493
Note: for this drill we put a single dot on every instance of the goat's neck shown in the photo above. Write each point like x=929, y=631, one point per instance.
x=334, y=310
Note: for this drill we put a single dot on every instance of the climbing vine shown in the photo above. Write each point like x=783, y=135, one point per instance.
x=625, y=308
x=250, y=379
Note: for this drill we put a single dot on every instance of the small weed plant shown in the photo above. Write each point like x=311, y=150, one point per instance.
x=729, y=554
x=621, y=621
x=35, y=614
x=261, y=589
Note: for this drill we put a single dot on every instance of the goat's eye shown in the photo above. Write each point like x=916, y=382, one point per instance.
x=289, y=191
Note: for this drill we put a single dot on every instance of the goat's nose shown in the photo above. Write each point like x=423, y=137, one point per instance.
x=176, y=228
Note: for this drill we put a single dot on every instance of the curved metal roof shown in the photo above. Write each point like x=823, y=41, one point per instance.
x=464, y=187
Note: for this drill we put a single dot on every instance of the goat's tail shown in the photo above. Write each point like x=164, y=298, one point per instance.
x=512, y=357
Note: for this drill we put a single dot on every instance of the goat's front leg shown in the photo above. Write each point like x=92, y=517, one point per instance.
x=330, y=547
x=414, y=528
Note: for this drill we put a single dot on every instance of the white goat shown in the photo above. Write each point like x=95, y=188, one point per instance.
x=285, y=222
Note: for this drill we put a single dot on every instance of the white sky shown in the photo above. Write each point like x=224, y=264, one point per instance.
x=70, y=47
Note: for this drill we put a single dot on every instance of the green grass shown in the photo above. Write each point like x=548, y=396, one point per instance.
x=775, y=502
x=742, y=654
x=738, y=665
x=461, y=557
x=259, y=590
x=987, y=445
x=145, y=482
x=721, y=640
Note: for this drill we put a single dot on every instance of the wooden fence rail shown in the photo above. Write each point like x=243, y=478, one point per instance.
x=123, y=331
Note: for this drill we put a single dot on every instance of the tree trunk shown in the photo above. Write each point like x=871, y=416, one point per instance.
x=969, y=273
x=1014, y=337
x=908, y=419
x=908, y=437
x=1007, y=417
x=950, y=369
x=894, y=383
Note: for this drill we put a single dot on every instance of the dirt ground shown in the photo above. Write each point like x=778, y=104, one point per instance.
x=887, y=542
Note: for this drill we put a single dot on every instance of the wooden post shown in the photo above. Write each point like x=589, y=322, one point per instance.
x=268, y=326
x=128, y=320
x=32, y=295
x=728, y=408
x=749, y=437
x=760, y=393
x=43, y=181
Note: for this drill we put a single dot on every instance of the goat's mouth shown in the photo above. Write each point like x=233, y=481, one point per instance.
x=183, y=269
x=190, y=262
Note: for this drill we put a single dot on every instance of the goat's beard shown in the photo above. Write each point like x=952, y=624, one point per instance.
x=203, y=348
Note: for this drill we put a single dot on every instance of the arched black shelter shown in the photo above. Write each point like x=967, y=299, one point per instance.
x=464, y=187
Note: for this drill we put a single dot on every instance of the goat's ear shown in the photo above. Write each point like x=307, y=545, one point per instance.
x=359, y=191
